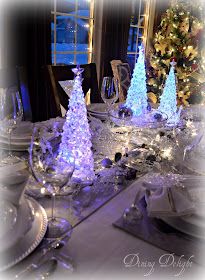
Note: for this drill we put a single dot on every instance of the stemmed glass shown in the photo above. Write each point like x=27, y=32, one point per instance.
x=11, y=114
x=53, y=172
x=109, y=91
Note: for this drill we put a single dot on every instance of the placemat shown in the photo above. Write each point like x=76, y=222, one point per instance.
x=160, y=234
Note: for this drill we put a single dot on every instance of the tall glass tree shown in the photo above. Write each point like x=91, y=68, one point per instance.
x=76, y=135
x=137, y=92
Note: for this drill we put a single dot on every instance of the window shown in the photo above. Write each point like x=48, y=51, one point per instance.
x=72, y=31
x=138, y=29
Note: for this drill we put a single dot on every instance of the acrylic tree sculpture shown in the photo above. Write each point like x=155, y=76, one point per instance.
x=76, y=135
x=168, y=99
x=137, y=92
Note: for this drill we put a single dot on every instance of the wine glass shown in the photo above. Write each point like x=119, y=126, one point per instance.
x=109, y=91
x=11, y=114
x=52, y=171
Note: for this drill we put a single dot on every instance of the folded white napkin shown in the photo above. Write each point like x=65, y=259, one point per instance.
x=169, y=201
x=165, y=200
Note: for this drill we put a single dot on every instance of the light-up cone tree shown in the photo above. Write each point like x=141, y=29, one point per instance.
x=168, y=99
x=137, y=92
x=76, y=137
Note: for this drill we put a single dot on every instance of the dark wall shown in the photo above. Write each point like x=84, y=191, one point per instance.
x=27, y=43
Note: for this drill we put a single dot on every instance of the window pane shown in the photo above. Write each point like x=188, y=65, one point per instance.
x=52, y=30
x=65, y=33
x=131, y=61
x=82, y=34
x=82, y=58
x=84, y=8
x=64, y=59
x=141, y=31
x=65, y=6
x=142, y=19
x=132, y=39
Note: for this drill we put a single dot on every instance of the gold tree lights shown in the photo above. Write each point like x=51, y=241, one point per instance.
x=179, y=37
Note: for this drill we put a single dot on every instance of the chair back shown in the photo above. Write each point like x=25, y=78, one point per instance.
x=124, y=75
x=57, y=73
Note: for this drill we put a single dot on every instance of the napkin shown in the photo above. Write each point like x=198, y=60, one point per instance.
x=167, y=200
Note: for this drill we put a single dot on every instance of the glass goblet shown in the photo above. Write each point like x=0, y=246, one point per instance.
x=109, y=91
x=53, y=172
x=11, y=113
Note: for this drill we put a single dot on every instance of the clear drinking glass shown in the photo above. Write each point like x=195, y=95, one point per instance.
x=109, y=91
x=52, y=172
x=11, y=113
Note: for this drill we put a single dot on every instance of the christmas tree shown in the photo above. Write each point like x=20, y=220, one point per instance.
x=76, y=135
x=179, y=37
x=168, y=100
x=137, y=92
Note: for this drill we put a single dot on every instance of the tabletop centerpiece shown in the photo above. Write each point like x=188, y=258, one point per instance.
x=76, y=135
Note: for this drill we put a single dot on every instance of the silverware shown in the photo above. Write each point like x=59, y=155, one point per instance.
x=42, y=270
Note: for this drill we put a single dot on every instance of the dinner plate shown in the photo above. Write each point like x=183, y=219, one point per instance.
x=97, y=108
x=15, y=148
x=22, y=132
x=188, y=225
x=29, y=241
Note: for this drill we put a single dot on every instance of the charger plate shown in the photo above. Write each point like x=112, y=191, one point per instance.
x=32, y=238
x=188, y=225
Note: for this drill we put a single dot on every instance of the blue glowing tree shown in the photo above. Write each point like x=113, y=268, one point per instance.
x=137, y=92
x=76, y=135
x=168, y=99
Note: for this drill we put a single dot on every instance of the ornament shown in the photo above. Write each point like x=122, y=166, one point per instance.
x=191, y=52
x=149, y=107
x=125, y=112
x=152, y=97
x=118, y=157
x=161, y=47
x=106, y=162
x=194, y=66
x=151, y=158
x=184, y=25
x=158, y=116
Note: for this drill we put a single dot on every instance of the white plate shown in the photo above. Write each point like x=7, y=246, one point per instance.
x=29, y=241
x=15, y=148
x=97, y=108
x=185, y=226
x=22, y=132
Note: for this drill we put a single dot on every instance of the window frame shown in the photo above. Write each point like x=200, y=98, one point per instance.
x=90, y=19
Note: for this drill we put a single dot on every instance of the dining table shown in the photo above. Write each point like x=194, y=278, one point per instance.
x=101, y=245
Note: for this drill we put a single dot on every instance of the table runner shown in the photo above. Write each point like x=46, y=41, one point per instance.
x=160, y=234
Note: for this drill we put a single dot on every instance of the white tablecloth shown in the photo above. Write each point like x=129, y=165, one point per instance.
x=98, y=249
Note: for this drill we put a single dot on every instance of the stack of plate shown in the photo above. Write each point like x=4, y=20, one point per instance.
x=25, y=228
x=98, y=110
x=20, y=137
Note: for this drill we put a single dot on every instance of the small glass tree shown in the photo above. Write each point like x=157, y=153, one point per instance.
x=76, y=135
x=168, y=100
x=137, y=92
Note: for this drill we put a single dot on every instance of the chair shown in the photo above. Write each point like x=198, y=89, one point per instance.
x=124, y=75
x=57, y=73
x=121, y=72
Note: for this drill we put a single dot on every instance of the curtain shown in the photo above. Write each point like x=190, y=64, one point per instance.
x=30, y=30
x=115, y=31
